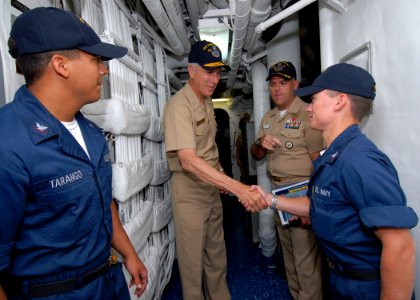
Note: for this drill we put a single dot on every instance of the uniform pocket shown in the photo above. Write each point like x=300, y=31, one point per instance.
x=332, y=224
x=67, y=206
x=201, y=123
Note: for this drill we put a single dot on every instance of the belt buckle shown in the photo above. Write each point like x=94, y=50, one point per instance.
x=113, y=259
x=331, y=265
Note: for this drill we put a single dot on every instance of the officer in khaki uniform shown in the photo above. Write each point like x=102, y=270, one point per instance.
x=190, y=130
x=290, y=145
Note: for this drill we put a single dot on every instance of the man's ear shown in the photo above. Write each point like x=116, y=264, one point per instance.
x=191, y=70
x=341, y=101
x=60, y=65
x=295, y=84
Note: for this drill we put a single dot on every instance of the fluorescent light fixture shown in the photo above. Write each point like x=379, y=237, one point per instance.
x=222, y=99
x=212, y=30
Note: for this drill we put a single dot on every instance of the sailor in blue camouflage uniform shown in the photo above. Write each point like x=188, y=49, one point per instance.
x=358, y=210
x=58, y=218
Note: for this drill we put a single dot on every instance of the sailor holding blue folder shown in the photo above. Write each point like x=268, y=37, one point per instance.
x=358, y=210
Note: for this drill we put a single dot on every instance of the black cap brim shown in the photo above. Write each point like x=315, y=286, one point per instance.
x=309, y=90
x=286, y=77
x=106, y=51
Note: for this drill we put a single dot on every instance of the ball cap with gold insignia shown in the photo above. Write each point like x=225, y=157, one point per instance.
x=45, y=29
x=342, y=77
x=207, y=55
x=284, y=69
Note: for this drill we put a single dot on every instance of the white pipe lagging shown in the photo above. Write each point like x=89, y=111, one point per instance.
x=174, y=11
x=158, y=12
x=242, y=10
x=277, y=18
x=193, y=12
x=203, y=6
x=283, y=15
x=261, y=97
x=261, y=10
x=174, y=79
x=220, y=3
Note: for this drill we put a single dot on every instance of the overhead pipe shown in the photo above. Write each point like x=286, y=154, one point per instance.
x=261, y=10
x=153, y=34
x=174, y=80
x=220, y=3
x=242, y=10
x=193, y=12
x=283, y=15
x=174, y=11
x=203, y=6
x=277, y=18
x=158, y=12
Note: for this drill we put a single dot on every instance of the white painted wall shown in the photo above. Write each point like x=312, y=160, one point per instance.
x=392, y=27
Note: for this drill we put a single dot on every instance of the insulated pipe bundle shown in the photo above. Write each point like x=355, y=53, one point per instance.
x=260, y=12
x=131, y=177
x=119, y=117
x=174, y=11
x=116, y=22
x=220, y=3
x=193, y=12
x=162, y=78
x=138, y=162
x=157, y=11
x=91, y=12
x=266, y=228
x=242, y=10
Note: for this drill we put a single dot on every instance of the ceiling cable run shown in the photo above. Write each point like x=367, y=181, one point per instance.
x=158, y=12
x=242, y=11
x=174, y=11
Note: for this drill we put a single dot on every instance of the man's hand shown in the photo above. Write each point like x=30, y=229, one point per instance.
x=269, y=142
x=253, y=200
x=138, y=274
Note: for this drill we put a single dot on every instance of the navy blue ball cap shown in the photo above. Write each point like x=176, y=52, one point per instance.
x=284, y=69
x=207, y=55
x=345, y=78
x=45, y=29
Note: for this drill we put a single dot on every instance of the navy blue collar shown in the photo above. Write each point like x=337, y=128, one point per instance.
x=340, y=142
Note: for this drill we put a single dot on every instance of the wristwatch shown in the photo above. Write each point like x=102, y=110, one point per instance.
x=258, y=142
x=273, y=202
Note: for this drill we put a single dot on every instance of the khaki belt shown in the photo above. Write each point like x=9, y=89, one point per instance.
x=288, y=179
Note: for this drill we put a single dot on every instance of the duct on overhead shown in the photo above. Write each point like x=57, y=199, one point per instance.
x=275, y=19
x=242, y=10
x=261, y=10
x=174, y=80
x=220, y=3
x=157, y=11
x=193, y=12
x=203, y=6
x=174, y=11
x=282, y=15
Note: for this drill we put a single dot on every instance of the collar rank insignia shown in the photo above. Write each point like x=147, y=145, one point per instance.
x=40, y=128
x=292, y=123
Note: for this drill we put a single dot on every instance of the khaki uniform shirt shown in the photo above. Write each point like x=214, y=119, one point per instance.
x=189, y=125
x=291, y=159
